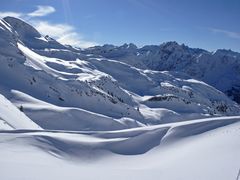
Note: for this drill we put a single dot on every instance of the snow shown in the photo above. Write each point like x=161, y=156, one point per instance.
x=77, y=87
x=210, y=146
x=50, y=116
x=219, y=69
x=12, y=118
x=115, y=112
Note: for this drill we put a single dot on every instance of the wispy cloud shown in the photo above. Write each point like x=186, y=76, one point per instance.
x=9, y=13
x=39, y=12
x=63, y=33
x=42, y=11
x=231, y=34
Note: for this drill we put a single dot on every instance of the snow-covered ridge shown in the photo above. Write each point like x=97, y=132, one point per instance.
x=219, y=69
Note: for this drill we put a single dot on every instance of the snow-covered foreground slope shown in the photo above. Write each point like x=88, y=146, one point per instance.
x=201, y=149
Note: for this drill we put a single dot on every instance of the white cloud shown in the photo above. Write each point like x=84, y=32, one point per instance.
x=63, y=33
x=9, y=13
x=42, y=11
x=230, y=34
x=55, y=30
x=74, y=39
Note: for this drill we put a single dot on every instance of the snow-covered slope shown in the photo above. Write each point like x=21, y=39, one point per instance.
x=221, y=68
x=62, y=82
x=191, y=150
x=12, y=118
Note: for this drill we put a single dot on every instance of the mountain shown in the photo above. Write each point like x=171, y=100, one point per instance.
x=220, y=69
x=156, y=112
x=84, y=91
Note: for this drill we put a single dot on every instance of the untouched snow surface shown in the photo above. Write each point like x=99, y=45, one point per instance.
x=202, y=149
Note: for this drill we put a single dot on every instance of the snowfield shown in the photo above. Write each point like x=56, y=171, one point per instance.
x=108, y=112
x=199, y=149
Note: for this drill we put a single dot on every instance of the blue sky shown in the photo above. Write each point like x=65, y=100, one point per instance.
x=208, y=24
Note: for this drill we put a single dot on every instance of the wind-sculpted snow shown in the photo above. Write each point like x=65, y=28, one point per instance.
x=189, y=150
x=127, y=142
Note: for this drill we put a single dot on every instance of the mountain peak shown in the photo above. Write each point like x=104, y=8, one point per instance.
x=28, y=35
x=226, y=52
x=129, y=46
x=172, y=45
x=23, y=29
